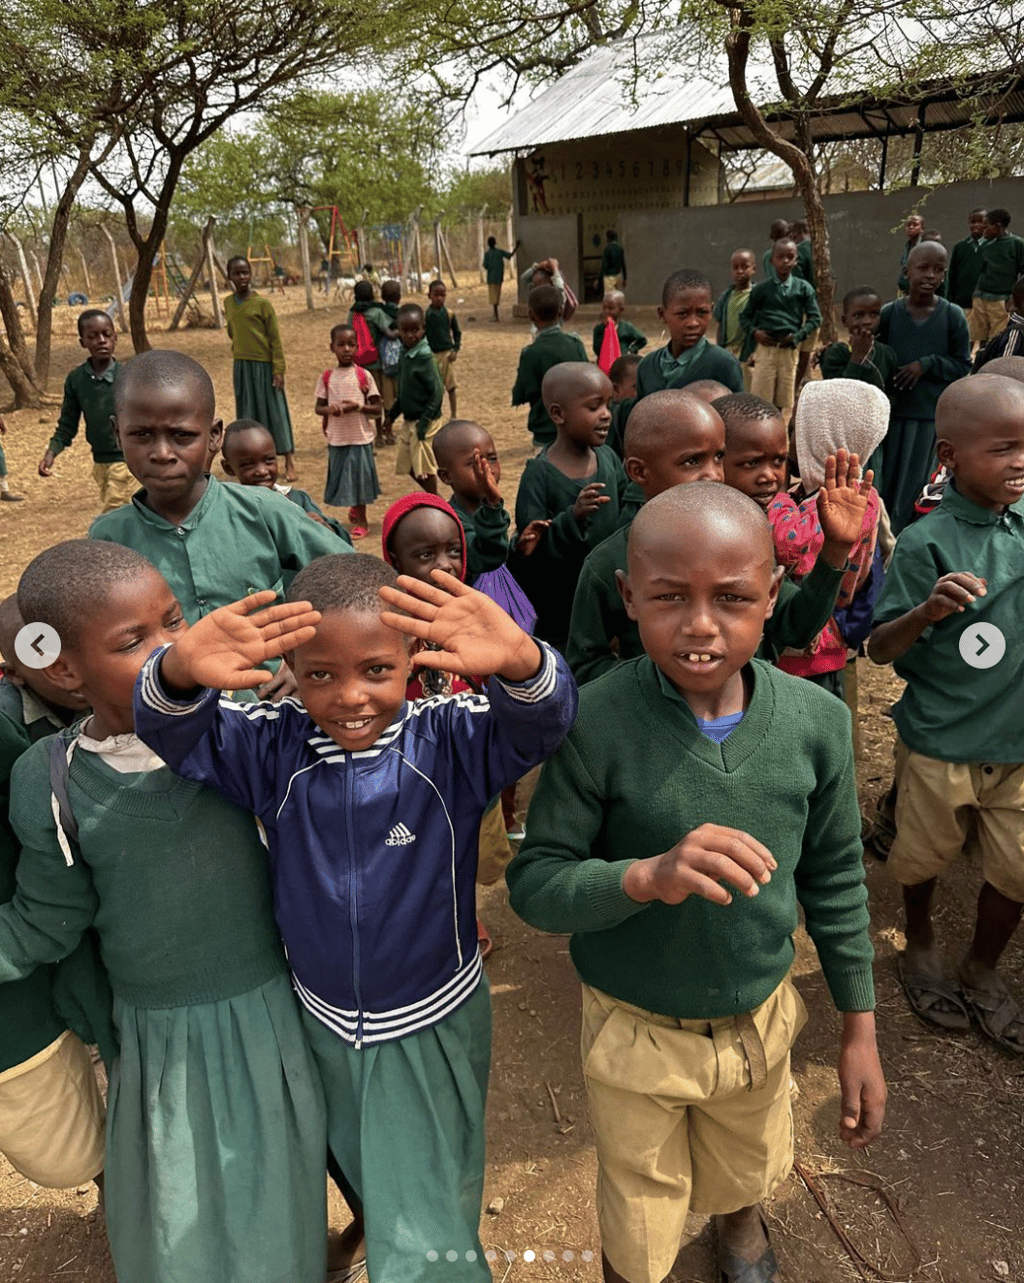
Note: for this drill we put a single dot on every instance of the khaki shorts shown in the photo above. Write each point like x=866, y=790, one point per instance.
x=116, y=483
x=811, y=341
x=611, y=283
x=444, y=368
x=943, y=808
x=774, y=375
x=688, y=1115
x=52, y=1116
x=495, y=850
x=989, y=317
x=388, y=390
x=415, y=457
x=493, y=293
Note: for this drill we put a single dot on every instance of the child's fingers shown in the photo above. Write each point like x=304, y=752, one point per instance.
x=286, y=614
x=286, y=641
x=416, y=588
x=251, y=678
x=445, y=660
x=452, y=584
x=256, y=599
x=407, y=624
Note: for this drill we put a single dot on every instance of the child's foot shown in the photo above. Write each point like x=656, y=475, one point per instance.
x=8, y=497
x=517, y=832
x=353, y=517
x=359, y=532
x=932, y=997
x=745, y=1254
x=346, y=1250
x=992, y=1006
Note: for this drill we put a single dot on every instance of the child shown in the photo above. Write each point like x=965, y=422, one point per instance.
x=468, y=462
x=211, y=542
x=89, y=394
x=731, y=335
x=699, y=798
x=419, y=401
x=577, y=485
x=1010, y=342
x=444, y=336
x=948, y=619
x=390, y=349
x=629, y=337
x=779, y=230
x=494, y=267
x=756, y=453
x=1002, y=264
x=623, y=377
x=29, y=700
x=832, y=418
x=251, y=458
x=915, y=235
x=929, y=337
x=673, y=438
x=348, y=399
x=421, y=534
x=613, y=263
x=372, y=811
x=686, y=310
x=779, y=315
x=551, y=346
x=215, y=1147
x=965, y=263
x=709, y=390
x=7, y=495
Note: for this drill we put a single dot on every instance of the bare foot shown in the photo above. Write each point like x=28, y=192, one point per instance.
x=346, y=1249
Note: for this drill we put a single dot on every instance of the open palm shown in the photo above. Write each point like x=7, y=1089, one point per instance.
x=474, y=634
x=225, y=648
x=843, y=499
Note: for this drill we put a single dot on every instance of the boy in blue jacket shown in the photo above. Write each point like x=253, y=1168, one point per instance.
x=371, y=809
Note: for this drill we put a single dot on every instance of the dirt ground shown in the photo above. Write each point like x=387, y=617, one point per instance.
x=950, y=1158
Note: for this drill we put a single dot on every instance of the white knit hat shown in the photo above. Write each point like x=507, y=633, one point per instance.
x=837, y=414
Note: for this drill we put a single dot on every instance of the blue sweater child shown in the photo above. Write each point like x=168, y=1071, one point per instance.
x=372, y=808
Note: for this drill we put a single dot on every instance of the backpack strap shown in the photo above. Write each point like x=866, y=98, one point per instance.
x=61, y=749
x=364, y=380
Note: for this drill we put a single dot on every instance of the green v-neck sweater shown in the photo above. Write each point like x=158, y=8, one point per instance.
x=634, y=776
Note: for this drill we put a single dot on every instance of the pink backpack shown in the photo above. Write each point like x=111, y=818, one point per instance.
x=366, y=349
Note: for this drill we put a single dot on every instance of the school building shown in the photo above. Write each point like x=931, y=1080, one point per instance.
x=592, y=153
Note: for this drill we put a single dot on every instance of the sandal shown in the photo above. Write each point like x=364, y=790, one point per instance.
x=359, y=532
x=735, y=1269
x=995, y=1013
x=353, y=516
x=484, y=940
x=919, y=988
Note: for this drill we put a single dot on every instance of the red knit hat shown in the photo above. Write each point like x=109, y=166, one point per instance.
x=419, y=499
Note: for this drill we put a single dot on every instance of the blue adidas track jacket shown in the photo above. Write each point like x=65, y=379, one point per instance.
x=373, y=854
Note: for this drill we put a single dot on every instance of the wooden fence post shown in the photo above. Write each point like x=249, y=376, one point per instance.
x=118, y=292
x=301, y=215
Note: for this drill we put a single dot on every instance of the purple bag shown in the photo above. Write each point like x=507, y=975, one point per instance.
x=503, y=590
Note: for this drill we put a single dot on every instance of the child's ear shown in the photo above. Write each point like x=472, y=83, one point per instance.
x=10, y=673
x=117, y=434
x=626, y=593
x=636, y=469
x=555, y=413
x=226, y=466
x=946, y=452
x=773, y=590
x=216, y=434
x=289, y=659
x=443, y=476
x=64, y=674
x=661, y=313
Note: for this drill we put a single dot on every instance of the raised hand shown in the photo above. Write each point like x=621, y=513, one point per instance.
x=698, y=865
x=484, y=477
x=529, y=540
x=590, y=499
x=475, y=636
x=861, y=342
x=843, y=499
x=225, y=648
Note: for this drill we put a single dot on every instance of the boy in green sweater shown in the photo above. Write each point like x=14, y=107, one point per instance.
x=444, y=334
x=700, y=798
x=686, y=310
x=89, y=394
x=1002, y=263
x=780, y=314
x=863, y=356
x=552, y=346
x=673, y=438
x=468, y=462
x=630, y=338
x=419, y=400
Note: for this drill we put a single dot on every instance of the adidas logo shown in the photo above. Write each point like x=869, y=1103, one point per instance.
x=399, y=836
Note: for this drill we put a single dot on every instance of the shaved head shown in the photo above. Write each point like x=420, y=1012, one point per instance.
x=970, y=406
x=660, y=417
x=458, y=435
x=10, y=624
x=698, y=519
x=926, y=247
x=572, y=379
x=1010, y=367
x=166, y=368
x=709, y=390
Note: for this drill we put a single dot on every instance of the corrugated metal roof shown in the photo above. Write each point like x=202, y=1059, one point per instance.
x=596, y=98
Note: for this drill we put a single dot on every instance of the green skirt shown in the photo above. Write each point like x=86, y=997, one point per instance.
x=908, y=460
x=351, y=476
x=257, y=398
x=406, y=1123
x=216, y=1144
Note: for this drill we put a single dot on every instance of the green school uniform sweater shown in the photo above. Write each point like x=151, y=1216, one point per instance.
x=599, y=616
x=305, y=501
x=172, y=876
x=486, y=532
x=941, y=343
x=836, y=363
x=659, y=370
x=236, y=540
x=444, y=334
x=613, y=260
x=253, y=330
x=1002, y=262
x=634, y=776
x=731, y=334
x=630, y=338
x=494, y=264
x=30, y=717
x=964, y=268
x=778, y=310
x=548, y=576
x=551, y=347
x=420, y=389
x=90, y=396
